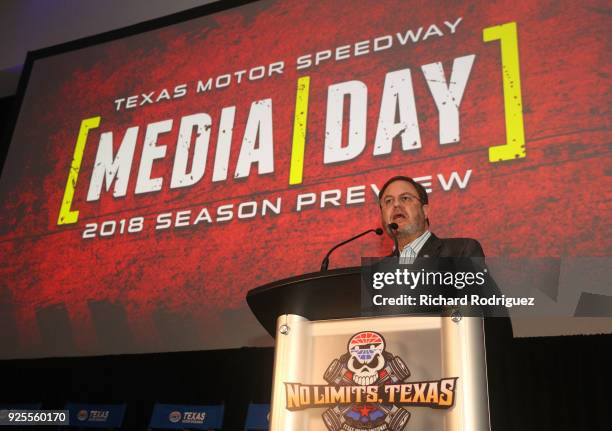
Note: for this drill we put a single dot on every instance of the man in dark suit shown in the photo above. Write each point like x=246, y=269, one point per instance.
x=405, y=202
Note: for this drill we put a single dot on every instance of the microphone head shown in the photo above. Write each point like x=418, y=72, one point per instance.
x=393, y=226
x=378, y=231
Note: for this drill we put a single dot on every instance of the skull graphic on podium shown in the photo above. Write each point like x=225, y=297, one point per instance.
x=366, y=363
x=366, y=351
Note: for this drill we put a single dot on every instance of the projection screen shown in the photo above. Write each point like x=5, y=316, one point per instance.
x=153, y=179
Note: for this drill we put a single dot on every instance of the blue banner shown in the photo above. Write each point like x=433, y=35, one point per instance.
x=96, y=415
x=258, y=417
x=177, y=416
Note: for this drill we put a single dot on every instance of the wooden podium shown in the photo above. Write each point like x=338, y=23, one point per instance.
x=336, y=369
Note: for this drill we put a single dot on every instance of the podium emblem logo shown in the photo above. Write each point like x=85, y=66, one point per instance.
x=366, y=363
x=367, y=389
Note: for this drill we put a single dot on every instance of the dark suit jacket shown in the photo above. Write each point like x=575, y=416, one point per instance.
x=498, y=330
x=451, y=247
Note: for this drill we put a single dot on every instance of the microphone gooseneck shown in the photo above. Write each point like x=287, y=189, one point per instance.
x=325, y=262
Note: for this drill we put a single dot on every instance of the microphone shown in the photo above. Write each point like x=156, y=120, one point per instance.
x=393, y=229
x=325, y=262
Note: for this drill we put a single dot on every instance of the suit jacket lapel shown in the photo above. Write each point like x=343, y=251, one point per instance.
x=431, y=248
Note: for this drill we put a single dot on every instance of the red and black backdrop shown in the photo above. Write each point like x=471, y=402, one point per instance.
x=152, y=180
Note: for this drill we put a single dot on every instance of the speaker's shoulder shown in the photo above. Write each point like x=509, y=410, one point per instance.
x=461, y=247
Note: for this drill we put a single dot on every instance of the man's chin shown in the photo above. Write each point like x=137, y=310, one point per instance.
x=406, y=230
x=410, y=230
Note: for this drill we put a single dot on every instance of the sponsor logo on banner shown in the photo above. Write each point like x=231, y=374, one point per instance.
x=171, y=416
x=367, y=389
x=98, y=415
x=194, y=417
x=187, y=417
x=174, y=416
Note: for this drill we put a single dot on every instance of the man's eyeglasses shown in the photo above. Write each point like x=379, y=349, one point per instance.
x=403, y=199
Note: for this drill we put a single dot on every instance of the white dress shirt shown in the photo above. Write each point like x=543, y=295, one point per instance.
x=411, y=250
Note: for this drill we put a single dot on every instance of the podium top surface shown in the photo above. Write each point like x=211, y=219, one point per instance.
x=333, y=294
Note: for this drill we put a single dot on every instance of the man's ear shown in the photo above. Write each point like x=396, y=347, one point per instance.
x=426, y=210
